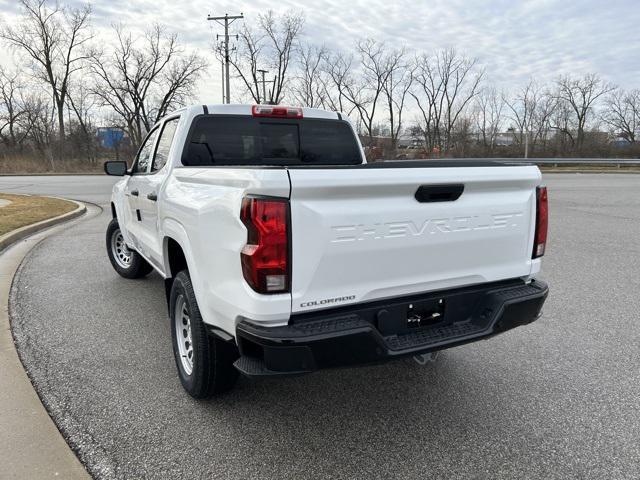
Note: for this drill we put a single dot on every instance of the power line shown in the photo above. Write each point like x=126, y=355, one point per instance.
x=226, y=20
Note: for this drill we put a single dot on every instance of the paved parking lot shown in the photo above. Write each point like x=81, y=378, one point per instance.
x=557, y=399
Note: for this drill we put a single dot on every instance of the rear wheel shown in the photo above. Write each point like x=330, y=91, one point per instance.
x=205, y=363
x=128, y=263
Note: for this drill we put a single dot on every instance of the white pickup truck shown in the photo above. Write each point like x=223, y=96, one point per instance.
x=284, y=252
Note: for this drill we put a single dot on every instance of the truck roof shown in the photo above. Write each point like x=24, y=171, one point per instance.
x=245, y=109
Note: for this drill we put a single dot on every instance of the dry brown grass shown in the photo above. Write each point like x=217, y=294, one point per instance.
x=26, y=209
x=20, y=165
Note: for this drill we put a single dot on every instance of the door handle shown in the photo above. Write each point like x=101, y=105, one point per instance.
x=152, y=196
x=134, y=193
x=439, y=193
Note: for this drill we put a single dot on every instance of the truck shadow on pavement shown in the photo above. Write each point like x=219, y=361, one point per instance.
x=399, y=410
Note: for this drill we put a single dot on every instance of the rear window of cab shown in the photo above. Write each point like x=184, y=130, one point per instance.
x=228, y=140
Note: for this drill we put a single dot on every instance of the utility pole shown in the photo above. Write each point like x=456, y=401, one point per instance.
x=226, y=21
x=526, y=138
x=264, y=90
x=222, y=79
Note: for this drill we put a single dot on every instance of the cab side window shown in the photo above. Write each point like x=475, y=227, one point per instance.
x=144, y=155
x=164, y=144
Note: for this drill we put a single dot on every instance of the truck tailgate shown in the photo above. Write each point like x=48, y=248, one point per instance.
x=360, y=234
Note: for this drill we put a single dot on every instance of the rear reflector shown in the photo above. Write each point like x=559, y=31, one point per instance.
x=542, y=222
x=276, y=112
x=265, y=257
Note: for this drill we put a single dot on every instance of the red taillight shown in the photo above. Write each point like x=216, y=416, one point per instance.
x=542, y=222
x=265, y=257
x=276, y=112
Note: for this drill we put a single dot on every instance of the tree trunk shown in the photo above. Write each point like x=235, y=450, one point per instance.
x=61, y=133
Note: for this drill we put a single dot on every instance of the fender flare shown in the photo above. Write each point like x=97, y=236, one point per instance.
x=174, y=230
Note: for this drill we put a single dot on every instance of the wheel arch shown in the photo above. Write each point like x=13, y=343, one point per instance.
x=176, y=255
x=175, y=259
x=175, y=241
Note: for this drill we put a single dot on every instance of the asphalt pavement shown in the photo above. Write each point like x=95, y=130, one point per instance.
x=559, y=398
x=90, y=188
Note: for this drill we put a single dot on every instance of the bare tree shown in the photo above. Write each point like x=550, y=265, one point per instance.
x=488, y=116
x=396, y=89
x=581, y=94
x=622, y=114
x=309, y=88
x=272, y=46
x=461, y=79
x=427, y=97
x=26, y=118
x=531, y=110
x=41, y=118
x=141, y=80
x=339, y=81
x=447, y=83
x=541, y=120
x=522, y=106
x=562, y=124
x=54, y=39
x=376, y=66
x=13, y=129
x=247, y=61
x=83, y=105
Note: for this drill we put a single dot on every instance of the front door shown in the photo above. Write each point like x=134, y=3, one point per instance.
x=135, y=186
x=149, y=237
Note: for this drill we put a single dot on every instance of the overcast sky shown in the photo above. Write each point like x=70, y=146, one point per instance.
x=513, y=39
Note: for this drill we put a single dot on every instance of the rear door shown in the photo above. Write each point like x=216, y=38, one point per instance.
x=360, y=234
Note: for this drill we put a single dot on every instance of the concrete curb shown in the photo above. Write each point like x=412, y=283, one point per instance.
x=32, y=446
x=16, y=235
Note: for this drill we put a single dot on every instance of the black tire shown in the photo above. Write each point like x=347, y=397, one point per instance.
x=137, y=267
x=211, y=358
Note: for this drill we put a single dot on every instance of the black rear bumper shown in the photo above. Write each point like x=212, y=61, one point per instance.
x=383, y=330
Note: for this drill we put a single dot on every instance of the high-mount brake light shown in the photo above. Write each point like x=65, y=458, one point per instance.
x=265, y=257
x=276, y=111
x=542, y=222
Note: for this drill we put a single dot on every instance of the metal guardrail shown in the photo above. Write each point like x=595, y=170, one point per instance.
x=578, y=161
x=615, y=162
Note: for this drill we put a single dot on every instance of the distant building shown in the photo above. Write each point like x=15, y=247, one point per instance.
x=404, y=141
x=502, y=139
x=506, y=139
x=511, y=137
x=112, y=137
x=620, y=142
x=410, y=141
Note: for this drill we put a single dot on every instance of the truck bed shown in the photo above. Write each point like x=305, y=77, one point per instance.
x=426, y=163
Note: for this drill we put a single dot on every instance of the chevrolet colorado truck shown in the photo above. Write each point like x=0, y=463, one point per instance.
x=284, y=252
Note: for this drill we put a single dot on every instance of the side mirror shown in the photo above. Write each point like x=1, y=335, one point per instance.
x=117, y=168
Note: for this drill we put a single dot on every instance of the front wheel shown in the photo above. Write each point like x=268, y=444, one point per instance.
x=205, y=363
x=128, y=263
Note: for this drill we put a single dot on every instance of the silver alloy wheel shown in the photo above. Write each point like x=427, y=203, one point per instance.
x=120, y=251
x=182, y=323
